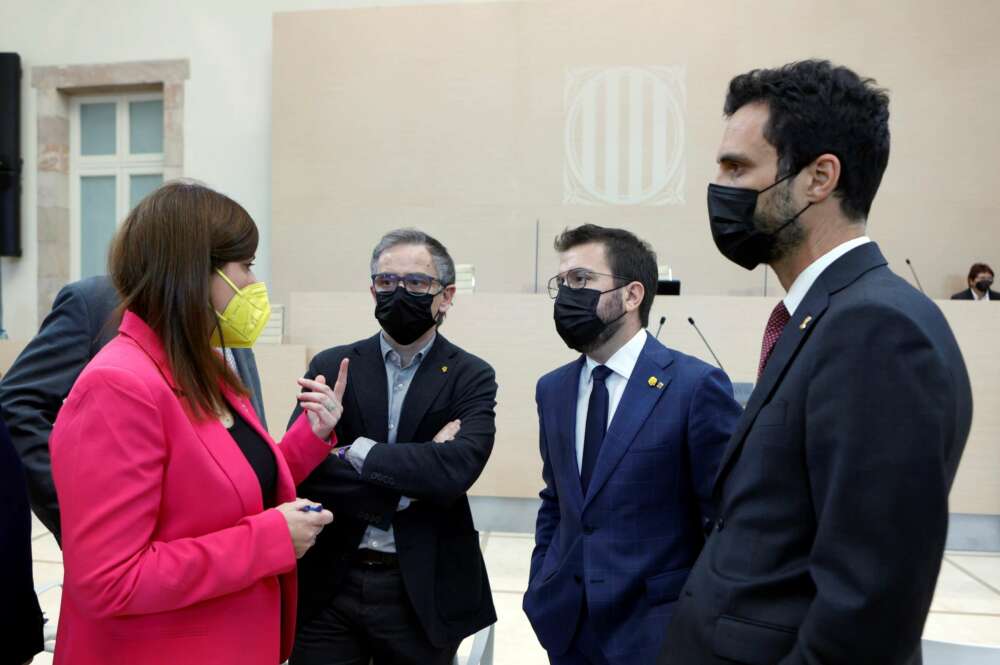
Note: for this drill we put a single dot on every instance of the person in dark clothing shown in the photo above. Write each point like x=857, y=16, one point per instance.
x=20, y=616
x=980, y=280
x=33, y=389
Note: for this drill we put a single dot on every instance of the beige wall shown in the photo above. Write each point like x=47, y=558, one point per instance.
x=452, y=119
x=515, y=334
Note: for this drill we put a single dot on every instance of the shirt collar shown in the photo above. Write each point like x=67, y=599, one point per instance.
x=417, y=357
x=624, y=359
x=800, y=287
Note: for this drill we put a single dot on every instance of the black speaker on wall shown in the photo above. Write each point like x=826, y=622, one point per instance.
x=10, y=154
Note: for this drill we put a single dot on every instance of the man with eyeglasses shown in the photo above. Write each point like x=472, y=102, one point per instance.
x=399, y=577
x=631, y=435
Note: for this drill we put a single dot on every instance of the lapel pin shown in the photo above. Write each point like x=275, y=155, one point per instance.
x=805, y=323
x=444, y=369
x=652, y=381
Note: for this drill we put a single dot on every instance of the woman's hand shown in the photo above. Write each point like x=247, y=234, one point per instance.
x=304, y=525
x=324, y=406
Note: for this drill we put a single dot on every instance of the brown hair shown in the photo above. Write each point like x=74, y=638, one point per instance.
x=161, y=262
x=978, y=268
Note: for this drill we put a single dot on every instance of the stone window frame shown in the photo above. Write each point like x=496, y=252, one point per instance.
x=54, y=86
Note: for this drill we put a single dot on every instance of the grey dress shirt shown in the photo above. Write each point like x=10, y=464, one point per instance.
x=398, y=379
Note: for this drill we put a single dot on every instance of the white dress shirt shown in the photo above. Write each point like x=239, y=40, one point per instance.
x=800, y=287
x=621, y=365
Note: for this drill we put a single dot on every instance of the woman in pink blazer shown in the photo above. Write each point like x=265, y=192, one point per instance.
x=180, y=524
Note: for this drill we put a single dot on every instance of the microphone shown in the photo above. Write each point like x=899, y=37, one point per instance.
x=707, y=345
x=921, y=286
x=663, y=320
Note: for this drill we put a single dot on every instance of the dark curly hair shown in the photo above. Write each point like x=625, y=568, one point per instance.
x=817, y=108
x=978, y=268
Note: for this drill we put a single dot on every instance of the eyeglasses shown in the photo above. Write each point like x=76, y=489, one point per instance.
x=577, y=278
x=416, y=283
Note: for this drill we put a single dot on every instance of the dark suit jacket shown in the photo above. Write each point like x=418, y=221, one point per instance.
x=33, y=390
x=20, y=616
x=627, y=546
x=436, y=541
x=967, y=295
x=834, y=488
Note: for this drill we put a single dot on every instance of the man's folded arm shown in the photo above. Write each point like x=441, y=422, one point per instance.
x=442, y=472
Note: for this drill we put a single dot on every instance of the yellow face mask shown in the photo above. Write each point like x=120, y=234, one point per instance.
x=245, y=316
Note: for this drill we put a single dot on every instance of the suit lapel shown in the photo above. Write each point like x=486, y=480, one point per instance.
x=217, y=441
x=227, y=454
x=561, y=426
x=367, y=384
x=837, y=276
x=246, y=368
x=430, y=378
x=636, y=404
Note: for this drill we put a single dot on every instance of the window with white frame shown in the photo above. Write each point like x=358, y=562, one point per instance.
x=116, y=158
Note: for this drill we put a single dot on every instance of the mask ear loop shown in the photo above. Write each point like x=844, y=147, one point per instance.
x=229, y=281
x=782, y=227
x=796, y=216
x=439, y=317
x=776, y=183
x=624, y=311
x=218, y=315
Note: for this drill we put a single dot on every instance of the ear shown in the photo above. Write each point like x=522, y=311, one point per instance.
x=371, y=289
x=447, y=298
x=824, y=176
x=634, y=293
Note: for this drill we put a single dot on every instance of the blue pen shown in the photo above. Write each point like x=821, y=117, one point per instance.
x=311, y=509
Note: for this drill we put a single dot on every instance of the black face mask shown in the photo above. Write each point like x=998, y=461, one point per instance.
x=731, y=215
x=404, y=315
x=577, y=321
x=984, y=285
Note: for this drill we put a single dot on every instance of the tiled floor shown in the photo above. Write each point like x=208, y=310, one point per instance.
x=966, y=606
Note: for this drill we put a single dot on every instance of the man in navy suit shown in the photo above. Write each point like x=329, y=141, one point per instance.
x=833, y=493
x=631, y=437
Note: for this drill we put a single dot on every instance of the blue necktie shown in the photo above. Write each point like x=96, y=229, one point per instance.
x=597, y=424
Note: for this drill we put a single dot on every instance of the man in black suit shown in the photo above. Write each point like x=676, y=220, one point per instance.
x=399, y=577
x=33, y=390
x=20, y=616
x=833, y=491
x=980, y=280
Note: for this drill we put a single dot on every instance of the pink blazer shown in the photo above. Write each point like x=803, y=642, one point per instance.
x=169, y=555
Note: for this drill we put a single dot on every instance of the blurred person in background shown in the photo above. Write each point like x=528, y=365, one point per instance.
x=980, y=282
